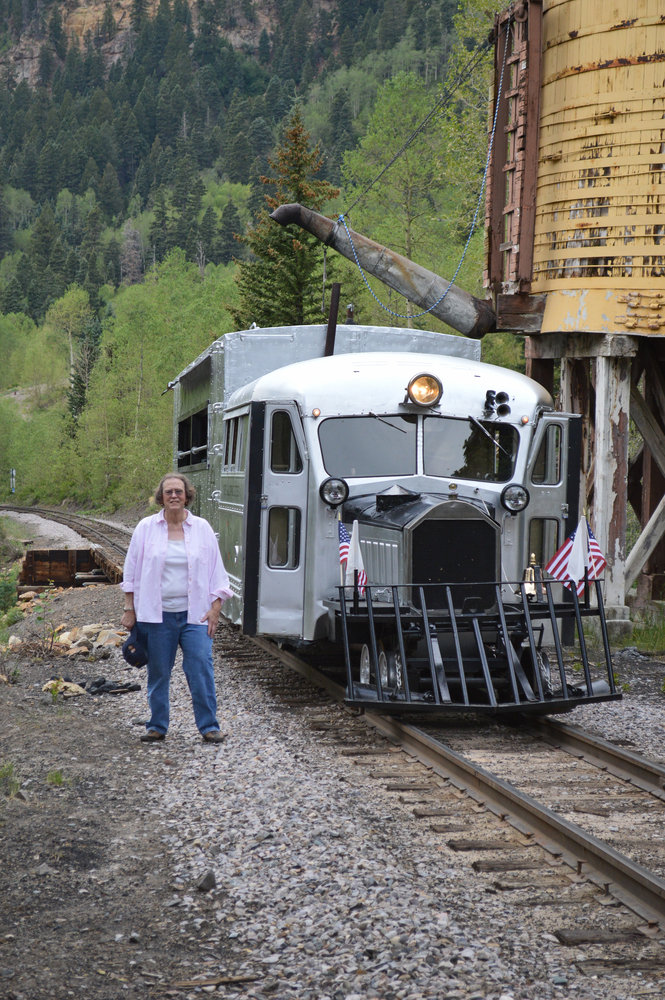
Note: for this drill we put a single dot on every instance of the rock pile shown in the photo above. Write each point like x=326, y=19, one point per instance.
x=84, y=640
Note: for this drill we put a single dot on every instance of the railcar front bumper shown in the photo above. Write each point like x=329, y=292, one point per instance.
x=437, y=648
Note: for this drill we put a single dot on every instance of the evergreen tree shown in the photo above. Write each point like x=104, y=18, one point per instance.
x=281, y=283
x=44, y=235
x=160, y=230
x=230, y=228
x=5, y=228
x=86, y=355
x=138, y=14
x=264, y=48
x=207, y=231
x=56, y=33
x=109, y=192
x=108, y=27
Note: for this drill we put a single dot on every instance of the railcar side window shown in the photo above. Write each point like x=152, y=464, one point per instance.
x=284, y=453
x=543, y=539
x=233, y=443
x=283, y=537
x=547, y=467
x=369, y=446
x=467, y=449
x=193, y=439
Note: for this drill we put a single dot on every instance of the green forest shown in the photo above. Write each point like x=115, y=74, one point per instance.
x=138, y=165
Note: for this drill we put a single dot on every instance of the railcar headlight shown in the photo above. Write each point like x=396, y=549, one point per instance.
x=515, y=498
x=424, y=390
x=334, y=491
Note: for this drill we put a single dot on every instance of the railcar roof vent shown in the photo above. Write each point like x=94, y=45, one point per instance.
x=395, y=496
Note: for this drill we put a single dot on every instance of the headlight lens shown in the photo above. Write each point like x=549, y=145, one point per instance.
x=334, y=491
x=515, y=498
x=425, y=390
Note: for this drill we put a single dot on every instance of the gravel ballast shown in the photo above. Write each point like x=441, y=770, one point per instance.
x=270, y=866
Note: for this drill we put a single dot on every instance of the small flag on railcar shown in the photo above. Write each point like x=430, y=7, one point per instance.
x=579, y=559
x=355, y=562
x=344, y=542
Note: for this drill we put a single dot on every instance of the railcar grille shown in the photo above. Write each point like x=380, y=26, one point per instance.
x=455, y=551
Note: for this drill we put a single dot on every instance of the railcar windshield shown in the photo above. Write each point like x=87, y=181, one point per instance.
x=469, y=449
x=369, y=446
x=387, y=445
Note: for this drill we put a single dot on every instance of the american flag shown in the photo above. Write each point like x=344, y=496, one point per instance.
x=344, y=542
x=355, y=562
x=580, y=551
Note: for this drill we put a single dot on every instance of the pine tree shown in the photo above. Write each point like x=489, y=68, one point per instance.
x=227, y=246
x=108, y=190
x=86, y=355
x=282, y=282
x=108, y=28
x=138, y=14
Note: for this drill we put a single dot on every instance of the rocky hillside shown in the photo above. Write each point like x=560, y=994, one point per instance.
x=241, y=23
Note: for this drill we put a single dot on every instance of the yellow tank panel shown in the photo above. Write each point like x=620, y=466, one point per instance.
x=599, y=242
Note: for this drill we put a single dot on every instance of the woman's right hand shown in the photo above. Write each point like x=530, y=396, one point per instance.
x=128, y=619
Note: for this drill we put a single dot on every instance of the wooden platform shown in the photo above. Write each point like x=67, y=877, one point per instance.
x=64, y=568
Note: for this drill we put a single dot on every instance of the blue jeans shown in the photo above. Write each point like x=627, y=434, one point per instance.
x=162, y=640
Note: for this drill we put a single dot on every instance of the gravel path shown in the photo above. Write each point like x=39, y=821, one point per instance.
x=46, y=534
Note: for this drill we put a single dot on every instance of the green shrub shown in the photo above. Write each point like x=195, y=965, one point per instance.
x=8, y=589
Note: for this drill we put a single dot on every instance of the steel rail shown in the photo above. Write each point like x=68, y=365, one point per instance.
x=615, y=874
x=639, y=889
x=303, y=668
x=631, y=767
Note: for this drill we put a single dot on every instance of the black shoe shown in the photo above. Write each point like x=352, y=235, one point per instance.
x=152, y=736
x=214, y=736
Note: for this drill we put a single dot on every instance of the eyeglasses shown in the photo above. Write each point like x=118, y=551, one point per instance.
x=174, y=493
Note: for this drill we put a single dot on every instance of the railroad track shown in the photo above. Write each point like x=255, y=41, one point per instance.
x=612, y=850
x=110, y=541
x=617, y=799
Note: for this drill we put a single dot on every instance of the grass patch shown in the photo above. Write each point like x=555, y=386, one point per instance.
x=9, y=782
x=11, y=536
x=57, y=779
x=8, y=581
x=649, y=635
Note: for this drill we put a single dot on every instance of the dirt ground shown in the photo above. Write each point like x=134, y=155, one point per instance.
x=83, y=873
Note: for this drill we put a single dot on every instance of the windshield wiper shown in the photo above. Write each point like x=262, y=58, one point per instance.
x=383, y=421
x=477, y=423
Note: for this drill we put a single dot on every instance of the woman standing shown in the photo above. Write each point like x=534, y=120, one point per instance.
x=174, y=583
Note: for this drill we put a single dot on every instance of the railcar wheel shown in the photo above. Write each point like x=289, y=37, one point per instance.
x=390, y=668
x=365, y=660
x=383, y=668
x=394, y=671
x=542, y=665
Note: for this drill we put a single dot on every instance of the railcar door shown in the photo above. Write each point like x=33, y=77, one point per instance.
x=553, y=481
x=283, y=503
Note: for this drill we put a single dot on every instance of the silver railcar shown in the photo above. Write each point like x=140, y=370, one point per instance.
x=461, y=480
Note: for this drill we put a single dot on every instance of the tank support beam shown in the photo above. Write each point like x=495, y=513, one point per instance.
x=611, y=380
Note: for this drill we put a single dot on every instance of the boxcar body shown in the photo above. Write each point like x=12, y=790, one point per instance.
x=457, y=497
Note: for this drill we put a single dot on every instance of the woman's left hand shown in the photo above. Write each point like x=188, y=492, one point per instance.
x=212, y=616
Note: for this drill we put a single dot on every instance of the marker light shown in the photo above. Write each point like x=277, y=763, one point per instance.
x=515, y=498
x=424, y=390
x=333, y=491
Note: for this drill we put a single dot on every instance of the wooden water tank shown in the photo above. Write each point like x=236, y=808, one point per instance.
x=599, y=229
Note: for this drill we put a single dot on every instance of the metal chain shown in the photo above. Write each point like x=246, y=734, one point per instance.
x=474, y=220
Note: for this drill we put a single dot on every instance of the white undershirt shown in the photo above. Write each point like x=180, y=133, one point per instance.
x=174, y=578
